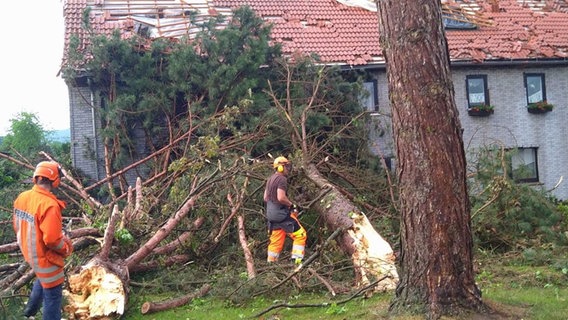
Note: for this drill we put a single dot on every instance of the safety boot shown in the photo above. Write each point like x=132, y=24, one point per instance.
x=297, y=262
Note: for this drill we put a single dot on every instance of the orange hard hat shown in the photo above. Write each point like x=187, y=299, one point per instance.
x=49, y=170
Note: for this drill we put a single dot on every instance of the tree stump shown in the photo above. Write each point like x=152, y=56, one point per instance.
x=96, y=292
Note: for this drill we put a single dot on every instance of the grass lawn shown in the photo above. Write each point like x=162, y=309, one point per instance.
x=529, y=293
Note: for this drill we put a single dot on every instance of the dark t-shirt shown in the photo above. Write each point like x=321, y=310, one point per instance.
x=275, y=182
x=275, y=211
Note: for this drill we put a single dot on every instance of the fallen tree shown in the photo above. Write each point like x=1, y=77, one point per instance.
x=201, y=203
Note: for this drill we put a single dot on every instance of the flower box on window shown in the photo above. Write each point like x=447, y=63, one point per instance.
x=483, y=110
x=540, y=107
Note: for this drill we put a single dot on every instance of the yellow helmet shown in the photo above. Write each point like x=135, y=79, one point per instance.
x=279, y=163
x=49, y=170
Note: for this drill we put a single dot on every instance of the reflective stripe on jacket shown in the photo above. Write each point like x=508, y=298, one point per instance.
x=38, y=227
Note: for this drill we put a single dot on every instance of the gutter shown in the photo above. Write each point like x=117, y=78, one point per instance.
x=94, y=124
x=537, y=62
x=540, y=62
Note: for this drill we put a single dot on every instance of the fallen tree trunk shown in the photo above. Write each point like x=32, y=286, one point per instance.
x=151, y=307
x=370, y=253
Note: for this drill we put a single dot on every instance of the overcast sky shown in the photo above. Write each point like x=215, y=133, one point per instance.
x=30, y=57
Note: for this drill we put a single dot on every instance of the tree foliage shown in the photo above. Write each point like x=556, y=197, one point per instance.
x=26, y=136
x=155, y=92
x=510, y=216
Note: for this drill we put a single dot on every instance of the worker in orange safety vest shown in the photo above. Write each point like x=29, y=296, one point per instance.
x=39, y=230
x=282, y=215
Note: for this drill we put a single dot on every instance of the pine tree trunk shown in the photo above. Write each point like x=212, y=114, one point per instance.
x=436, y=239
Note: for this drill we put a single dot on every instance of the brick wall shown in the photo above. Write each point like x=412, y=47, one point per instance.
x=511, y=125
x=86, y=141
x=84, y=144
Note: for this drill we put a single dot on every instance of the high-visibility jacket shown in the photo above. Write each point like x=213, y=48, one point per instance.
x=38, y=227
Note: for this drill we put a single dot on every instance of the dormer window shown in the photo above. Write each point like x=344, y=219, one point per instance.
x=457, y=21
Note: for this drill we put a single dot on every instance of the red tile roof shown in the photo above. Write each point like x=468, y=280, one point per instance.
x=343, y=34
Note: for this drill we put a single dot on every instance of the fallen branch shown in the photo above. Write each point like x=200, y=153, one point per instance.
x=235, y=207
x=9, y=267
x=150, y=307
x=166, y=228
x=17, y=279
x=320, y=278
x=161, y=234
x=154, y=265
x=9, y=247
x=77, y=233
x=181, y=240
x=109, y=234
x=319, y=305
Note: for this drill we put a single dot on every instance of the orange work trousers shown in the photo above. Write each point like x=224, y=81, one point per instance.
x=278, y=236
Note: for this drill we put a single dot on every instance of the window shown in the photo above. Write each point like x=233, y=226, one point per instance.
x=536, y=89
x=369, y=99
x=477, y=92
x=523, y=166
x=521, y=162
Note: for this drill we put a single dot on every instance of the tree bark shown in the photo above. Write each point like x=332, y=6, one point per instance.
x=436, y=240
x=249, y=259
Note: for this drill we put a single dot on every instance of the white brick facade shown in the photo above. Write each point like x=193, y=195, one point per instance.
x=511, y=125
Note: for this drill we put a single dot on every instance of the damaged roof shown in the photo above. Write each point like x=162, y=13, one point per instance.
x=343, y=31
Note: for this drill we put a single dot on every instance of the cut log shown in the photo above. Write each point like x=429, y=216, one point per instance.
x=150, y=307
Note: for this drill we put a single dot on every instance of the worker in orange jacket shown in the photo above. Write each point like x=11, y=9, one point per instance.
x=282, y=215
x=39, y=230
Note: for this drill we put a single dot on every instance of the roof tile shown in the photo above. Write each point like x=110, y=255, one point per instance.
x=520, y=29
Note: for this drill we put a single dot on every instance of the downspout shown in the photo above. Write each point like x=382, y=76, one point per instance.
x=94, y=123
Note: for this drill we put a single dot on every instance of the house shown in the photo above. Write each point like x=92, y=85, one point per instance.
x=508, y=54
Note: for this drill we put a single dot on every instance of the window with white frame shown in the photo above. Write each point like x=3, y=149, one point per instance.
x=535, y=87
x=524, y=165
x=369, y=100
x=477, y=92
